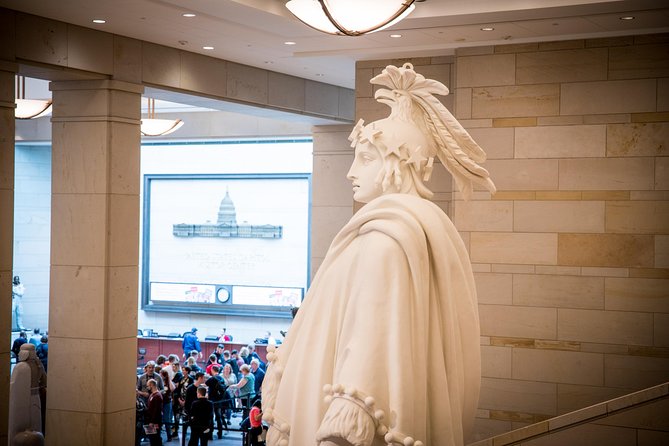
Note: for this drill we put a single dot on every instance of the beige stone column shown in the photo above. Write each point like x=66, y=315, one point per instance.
x=7, y=73
x=332, y=194
x=94, y=262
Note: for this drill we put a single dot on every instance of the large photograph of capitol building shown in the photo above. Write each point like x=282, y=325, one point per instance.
x=225, y=243
x=226, y=226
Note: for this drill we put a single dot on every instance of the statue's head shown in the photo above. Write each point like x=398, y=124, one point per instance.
x=391, y=156
x=16, y=280
x=397, y=154
x=26, y=352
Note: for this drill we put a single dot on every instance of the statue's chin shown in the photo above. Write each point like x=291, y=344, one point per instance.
x=361, y=198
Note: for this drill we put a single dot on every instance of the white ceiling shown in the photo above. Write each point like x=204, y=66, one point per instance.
x=253, y=32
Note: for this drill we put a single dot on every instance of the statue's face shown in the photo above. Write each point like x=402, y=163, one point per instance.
x=364, y=173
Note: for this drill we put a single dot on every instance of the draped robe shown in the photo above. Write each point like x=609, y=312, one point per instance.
x=392, y=315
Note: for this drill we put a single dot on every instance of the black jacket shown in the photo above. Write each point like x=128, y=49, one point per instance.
x=202, y=414
x=191, y=396
x=16, y=346
x=216, y=389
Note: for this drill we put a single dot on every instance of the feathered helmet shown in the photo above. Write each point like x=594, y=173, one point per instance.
x=418, y=129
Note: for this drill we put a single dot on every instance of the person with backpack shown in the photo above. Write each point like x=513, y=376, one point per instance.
x=191, y=397
x=42, y=351
x=181, y=381
x=217, y=392
x=140, y=415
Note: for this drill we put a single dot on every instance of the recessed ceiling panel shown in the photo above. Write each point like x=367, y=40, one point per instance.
x=642, y=19
x=561, y=26
x=502, y=33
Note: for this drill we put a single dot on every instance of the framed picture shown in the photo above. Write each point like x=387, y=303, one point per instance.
x=233, y=244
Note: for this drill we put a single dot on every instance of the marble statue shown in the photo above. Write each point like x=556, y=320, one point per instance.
x=27, y=386
x=17, y=304
x=385, y=347
x=19, y=397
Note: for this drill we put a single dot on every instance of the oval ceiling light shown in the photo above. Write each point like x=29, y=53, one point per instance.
x=160, y=127
x=151, y=126
x=188, y=14
x=29, y=108
x=99, y=21
x=350, y=17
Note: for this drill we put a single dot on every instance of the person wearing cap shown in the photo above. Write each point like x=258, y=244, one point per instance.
x=219, y=353
x=191, y=342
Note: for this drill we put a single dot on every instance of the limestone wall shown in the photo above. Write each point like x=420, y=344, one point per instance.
x=571, y=256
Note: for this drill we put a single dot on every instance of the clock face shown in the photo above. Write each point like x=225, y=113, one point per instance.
x=223, y=295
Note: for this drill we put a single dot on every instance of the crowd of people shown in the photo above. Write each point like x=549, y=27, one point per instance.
x=39, y=340
x=174, y=392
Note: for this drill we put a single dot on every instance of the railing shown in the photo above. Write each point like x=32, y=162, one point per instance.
x=638, y=418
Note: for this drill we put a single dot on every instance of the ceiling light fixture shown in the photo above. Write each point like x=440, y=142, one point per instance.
x=396, y=36
x=289, y=43
x=487, y=28
x=29, y=108
x=158, y=127
x=350, y=17
x=99, y=21
x=207, y=47
x=188, y=14
x=627, y=17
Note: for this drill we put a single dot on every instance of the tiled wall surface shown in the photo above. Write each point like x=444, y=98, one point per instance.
x=571, y=256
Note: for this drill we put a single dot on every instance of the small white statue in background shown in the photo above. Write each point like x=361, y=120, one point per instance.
x=18, y=290
x=385, y=348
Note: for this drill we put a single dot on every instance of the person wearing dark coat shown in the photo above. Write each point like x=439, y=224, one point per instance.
x=259, y=375
x=42, y=352
x=201, y=419
x=154, y=413
x=191, y=397
x=217, y=393
x=18, y=342
x=190, y=343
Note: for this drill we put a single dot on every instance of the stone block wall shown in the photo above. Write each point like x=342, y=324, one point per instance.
x=571, y=256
